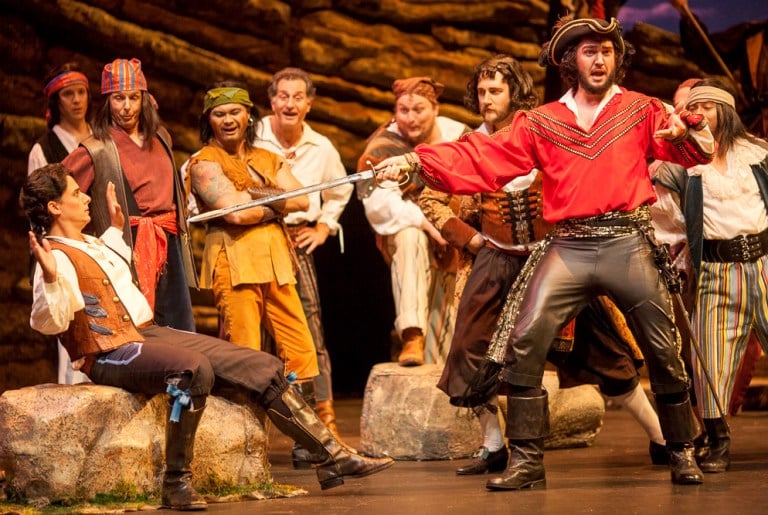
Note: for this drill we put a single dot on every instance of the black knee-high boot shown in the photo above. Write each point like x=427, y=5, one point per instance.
x=178, y=492
x=718, y=459
x=679, y=429
x=527, y=425
x=296, y=419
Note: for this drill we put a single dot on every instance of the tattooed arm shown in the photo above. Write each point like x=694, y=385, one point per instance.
x=215, y=191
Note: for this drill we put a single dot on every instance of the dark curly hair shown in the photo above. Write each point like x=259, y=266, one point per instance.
x=42, y=186
x=521, y=92
x=569, y=71
x=206, y=131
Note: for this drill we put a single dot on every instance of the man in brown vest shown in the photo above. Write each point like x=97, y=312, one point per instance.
x=83, y=292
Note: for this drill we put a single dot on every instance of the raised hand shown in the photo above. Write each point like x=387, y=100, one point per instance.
x=44, y=256
x=116, y=216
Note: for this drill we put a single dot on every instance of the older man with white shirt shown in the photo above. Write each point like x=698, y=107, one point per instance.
x=313, y=160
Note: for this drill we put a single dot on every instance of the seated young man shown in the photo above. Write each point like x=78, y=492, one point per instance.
x=84, y=293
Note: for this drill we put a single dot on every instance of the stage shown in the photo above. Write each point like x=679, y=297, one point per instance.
x=613, y=476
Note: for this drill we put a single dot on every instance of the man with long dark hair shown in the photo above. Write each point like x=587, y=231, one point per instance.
x=725, y=204
x=131, y=149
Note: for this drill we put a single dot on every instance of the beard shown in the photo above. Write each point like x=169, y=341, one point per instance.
x=497, y=117
x=597, y=89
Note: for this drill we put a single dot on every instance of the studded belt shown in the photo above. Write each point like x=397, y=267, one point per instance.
x=745, y=248
x=608, y=225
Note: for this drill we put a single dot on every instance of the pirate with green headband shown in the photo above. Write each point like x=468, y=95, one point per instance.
x=247, y=259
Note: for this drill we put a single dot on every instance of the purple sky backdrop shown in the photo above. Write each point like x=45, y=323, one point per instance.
x=717, y=15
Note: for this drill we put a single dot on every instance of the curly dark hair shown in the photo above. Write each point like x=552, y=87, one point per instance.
x=42, y=186
x=569, y=71
x=521, y=92
x=206, y=131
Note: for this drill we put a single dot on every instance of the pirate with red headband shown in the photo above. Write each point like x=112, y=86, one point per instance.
x=592, y=147
x=131, y=149
x=66, y=90
x=68, y=97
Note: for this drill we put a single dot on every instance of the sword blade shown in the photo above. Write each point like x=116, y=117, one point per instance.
x=216, y=213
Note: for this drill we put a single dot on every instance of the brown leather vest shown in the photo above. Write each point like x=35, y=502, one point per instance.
x=104, y=324
x=514, y=218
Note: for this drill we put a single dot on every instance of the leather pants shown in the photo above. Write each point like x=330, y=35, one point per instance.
x=570, y=273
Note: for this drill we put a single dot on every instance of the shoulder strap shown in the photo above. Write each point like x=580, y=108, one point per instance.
x=53, y=148
x=106, y=165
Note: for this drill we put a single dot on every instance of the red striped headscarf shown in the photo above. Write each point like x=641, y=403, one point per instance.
x=426, y=87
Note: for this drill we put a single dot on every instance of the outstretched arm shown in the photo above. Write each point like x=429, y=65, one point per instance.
x=682, y=138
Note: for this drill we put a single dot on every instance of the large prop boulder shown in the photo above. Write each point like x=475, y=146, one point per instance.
x=406, y=417
x=73, y=441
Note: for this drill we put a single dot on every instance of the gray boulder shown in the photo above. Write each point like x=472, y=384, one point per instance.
x=406, y=417
x=65, y=441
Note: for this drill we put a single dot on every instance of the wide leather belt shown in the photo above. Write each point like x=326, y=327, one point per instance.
x=745, y=248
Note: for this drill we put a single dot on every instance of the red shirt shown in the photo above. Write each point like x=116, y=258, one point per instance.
x=584, y=173
x=149, y=171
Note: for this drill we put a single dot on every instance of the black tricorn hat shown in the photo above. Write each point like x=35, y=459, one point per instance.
x=571, y=32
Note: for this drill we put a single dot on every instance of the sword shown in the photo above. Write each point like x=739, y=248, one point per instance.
x=349, y=179
x=672, y=278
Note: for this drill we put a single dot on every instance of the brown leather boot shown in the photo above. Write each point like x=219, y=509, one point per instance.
x=327, y=415
x=302, y=458
x=527, y=426
x=294, y=418
x=413, y=348
x=178, y=492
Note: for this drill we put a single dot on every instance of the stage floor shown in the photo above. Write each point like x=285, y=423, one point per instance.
x=613, y=476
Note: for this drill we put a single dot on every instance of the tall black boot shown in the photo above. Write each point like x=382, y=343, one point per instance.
x=296, y=419
x=718, y=459
x=527, y=425
x=679, y=429
x=302, y=458
x=178, y=492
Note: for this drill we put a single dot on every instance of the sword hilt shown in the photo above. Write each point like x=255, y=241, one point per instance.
x=403, y=167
